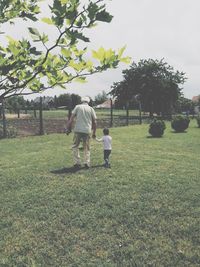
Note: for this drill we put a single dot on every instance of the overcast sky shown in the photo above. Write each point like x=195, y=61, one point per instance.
x=150, y=29
x=153, y=29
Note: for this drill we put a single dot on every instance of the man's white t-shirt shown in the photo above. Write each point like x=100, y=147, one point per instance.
x=84, y=117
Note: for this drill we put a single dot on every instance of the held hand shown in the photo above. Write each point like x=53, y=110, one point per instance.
x=68, y=131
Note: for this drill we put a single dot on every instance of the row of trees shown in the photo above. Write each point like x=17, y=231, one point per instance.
x=15, y=103
x=68, y=101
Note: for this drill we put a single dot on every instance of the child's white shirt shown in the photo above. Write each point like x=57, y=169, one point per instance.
x=107, y=142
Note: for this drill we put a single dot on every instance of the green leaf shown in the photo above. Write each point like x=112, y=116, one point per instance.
x=11, y=40
x=66, y=52
x=34, y=31
x=89, y=65
x=75, y=66
x=80, y=80
x=81, y=37
x=109, y=53
x=104, y=16
x=44, y=38
x=64, y=2
x=126, y=60
x=121, y=51
x=99, y=54
x=47, y=20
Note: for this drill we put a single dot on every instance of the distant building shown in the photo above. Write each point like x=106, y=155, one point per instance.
x=196, y=101
x=106, y=104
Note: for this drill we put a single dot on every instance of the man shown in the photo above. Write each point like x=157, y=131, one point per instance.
x=85, y=123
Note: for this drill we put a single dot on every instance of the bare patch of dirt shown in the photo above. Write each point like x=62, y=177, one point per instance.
x=14, y=116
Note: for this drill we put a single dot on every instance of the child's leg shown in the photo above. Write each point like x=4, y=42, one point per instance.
x=106, y=157
x=109, y=152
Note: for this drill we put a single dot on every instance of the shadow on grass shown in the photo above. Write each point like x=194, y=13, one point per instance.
x=74, y=169
x=178, y=132
x=154, y=137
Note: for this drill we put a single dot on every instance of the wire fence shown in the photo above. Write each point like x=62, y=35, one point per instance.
x=38, y=122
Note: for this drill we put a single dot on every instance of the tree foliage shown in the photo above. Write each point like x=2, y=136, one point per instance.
x=12, y=9
x=100, y=98
x=15, y=103
x=68, y=100
x=154, y=81
x=38, y=63
x=184, y=105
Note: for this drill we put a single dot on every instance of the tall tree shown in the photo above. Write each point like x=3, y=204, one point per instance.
x=15, y=103
x=155, y=81
x=24, y=65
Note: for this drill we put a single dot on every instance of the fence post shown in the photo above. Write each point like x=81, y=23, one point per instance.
x=4, y=120
x=138, y=99
x=111, y=113
x=127, y=113
x=35, y=113
x=41, y=132
x=140, y=112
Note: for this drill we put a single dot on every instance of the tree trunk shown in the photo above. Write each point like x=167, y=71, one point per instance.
x=4, y=120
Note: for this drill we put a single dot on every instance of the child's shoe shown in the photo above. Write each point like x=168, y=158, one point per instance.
x=106, y=165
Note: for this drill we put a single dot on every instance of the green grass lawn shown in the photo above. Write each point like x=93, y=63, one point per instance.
x=144, y=211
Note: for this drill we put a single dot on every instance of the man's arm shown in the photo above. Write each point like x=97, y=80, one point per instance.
x=69, y=124
x=94, y=127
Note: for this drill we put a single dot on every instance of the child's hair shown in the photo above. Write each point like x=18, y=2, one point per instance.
x=106, y=131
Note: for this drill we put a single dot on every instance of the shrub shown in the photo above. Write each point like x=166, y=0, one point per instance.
x=198, y=120
x=11, y=132
x=156, y=128
x=180, y=123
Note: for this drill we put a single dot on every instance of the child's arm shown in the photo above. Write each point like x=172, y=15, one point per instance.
x=98, y=139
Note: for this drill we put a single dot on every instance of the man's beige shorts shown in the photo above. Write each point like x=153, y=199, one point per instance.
x=85, y=138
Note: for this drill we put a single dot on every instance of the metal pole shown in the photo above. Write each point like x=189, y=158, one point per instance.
x=4, y=119
x=140, y=112
x=35, y=112
x=41, y=119
x=127, y=113
x=111, y=113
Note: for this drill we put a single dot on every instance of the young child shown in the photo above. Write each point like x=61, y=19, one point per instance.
x=107, y=140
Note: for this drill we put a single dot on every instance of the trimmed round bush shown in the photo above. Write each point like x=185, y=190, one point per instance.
x=180, y=123
x=198, y=120
x=11, y=132
x=157, y=128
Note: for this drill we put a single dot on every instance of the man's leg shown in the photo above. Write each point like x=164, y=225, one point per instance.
x=86, y=149
x=75, y=149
